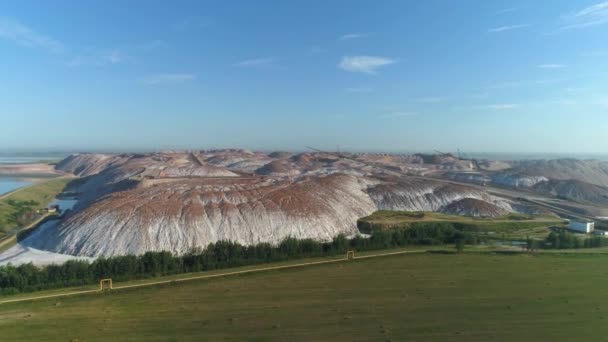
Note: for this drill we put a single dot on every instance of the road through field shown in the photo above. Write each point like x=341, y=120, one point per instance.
x=215, y=275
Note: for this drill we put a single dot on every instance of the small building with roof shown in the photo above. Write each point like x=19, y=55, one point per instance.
x=581, y=226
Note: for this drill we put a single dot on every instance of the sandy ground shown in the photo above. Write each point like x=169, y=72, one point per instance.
x=39, y=168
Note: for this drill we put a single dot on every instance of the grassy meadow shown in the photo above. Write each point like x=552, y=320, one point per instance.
x=509, y=227
x=15, y=206
x=421, y=297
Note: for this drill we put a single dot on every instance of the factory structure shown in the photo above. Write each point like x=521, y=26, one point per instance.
x=581, y=226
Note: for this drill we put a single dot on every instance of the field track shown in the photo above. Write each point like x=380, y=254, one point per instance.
x=216, y=275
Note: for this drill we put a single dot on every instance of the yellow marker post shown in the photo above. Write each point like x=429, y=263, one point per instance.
x=105, y=281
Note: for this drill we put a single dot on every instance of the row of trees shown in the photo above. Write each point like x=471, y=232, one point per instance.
x=566, y=240
x=514, y=223
x=222, y=254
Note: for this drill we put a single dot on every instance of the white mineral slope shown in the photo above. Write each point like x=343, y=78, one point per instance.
x=589, y=171
x=173, y=201
x=238, y=160
x=416, y=195
x=22, y=253
x=197, y=171
x=517, y=180
x=87, y=164
x=103, y=174
x=178, y=216
x=193, y=213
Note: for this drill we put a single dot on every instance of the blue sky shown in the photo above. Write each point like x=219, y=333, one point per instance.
x=482, y=76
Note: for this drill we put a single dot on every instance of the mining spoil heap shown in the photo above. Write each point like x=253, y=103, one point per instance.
x=175, y=201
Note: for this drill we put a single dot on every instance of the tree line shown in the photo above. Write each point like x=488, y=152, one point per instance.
x=219, y=255
x=24, y=211
x=566, y=240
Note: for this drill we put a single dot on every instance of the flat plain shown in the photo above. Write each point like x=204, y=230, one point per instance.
x=421, y=297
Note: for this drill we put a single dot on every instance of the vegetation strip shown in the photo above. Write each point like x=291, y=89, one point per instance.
x=209, y=276
x=18, y=209
x=11, y=239
x=218, y=255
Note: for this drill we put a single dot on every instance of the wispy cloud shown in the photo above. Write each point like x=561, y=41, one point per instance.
x=257, y=62
x=114, y=57
x=552, y=66
x=501, y=106
x=359, y=90
x=556, y=102
x=350, y=36
x=508, y=10
x=508, y=84
x=577, y=89
x=316, y=50
x=151, y=45
x=549, y=81
x=566, y=102
x=478, y=96
x=365, y=64
x=168, y=78
x=394, y=115
x=507, y=28
x=96, y=58
x=433, y=99
x=192, y=22
x=514, y=84
x=589, y=16
x=595, y=53
x=25, y=36
x=72, y=56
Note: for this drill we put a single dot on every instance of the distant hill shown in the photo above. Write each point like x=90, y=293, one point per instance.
x=133, y=203
x=588, y=171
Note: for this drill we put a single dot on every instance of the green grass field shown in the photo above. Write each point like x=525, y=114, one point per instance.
x=42, y=193
x=389, y=218
x=508, y=227
x=422, y=297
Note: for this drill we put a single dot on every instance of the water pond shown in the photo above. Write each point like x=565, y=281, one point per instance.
x=8, y=184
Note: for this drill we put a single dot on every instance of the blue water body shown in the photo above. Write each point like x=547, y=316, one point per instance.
x=8, y=184
x=64, y=204
x=24, y=160
x=31, y=157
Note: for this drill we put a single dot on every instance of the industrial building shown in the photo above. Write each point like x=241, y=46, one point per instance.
x=581, y=226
